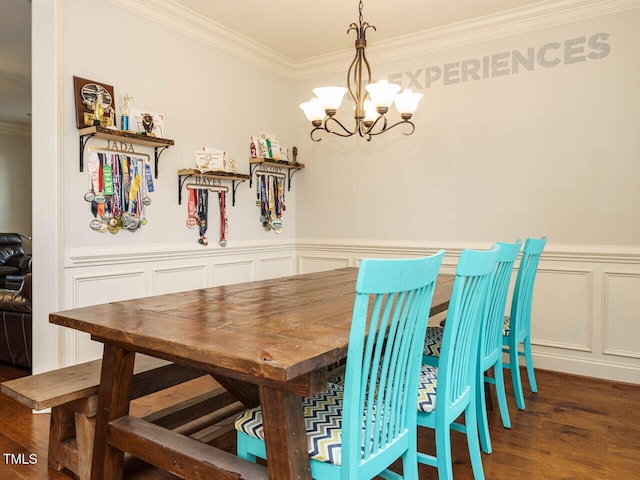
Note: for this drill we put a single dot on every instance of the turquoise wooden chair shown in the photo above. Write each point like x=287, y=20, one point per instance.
x=490, y=349
x=358, y=430
x=491, y=341
x=449, y=389
x=517, y=326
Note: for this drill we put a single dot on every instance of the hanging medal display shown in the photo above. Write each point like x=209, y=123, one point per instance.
x=270, y=199
x=119, y=186
x=198, y=210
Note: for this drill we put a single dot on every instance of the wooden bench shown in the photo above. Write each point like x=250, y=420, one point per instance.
x=72, y=395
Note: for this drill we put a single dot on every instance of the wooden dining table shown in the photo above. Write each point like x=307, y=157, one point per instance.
x=268, y=342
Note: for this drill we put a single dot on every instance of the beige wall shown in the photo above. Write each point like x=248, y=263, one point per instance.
x=15, y=181
x=551, y=151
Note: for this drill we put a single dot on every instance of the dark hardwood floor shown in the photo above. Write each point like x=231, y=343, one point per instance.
x=575, y=428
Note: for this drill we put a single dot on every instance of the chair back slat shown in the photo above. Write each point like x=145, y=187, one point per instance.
x=460, y=341
x=393, y=299
x=523, y=291
x=491, y=331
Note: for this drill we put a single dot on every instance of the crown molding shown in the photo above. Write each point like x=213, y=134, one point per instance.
x=21, y=129
x=483, y=29
x=209, y=32
x=517, y=21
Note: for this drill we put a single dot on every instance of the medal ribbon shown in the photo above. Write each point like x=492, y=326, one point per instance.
x=271, y=197
x=223, y=217
x=133, y=193
x=117, y=182
x=203, y=210
x=94, y=168
x=191, y=209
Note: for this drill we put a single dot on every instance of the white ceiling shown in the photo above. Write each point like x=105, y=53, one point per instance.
x=300, y=29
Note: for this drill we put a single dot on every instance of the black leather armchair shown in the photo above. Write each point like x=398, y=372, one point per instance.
x=16, y=325
x=14, y=262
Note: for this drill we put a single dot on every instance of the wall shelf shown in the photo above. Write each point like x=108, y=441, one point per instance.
x=208, y=179
x=269, y=165
x=159, y=145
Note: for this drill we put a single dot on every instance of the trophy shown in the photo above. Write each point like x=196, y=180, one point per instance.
x=148, y=124
x=125, y=109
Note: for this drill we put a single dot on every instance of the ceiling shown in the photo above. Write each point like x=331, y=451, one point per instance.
x=303, y=29
x=295, y=29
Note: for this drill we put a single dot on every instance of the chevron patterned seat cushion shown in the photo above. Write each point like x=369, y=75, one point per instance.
x=433, y=341
x=323, y=421
x=427, y=388
x=506, y=328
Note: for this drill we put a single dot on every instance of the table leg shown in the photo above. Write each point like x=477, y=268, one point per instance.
x=285, y=435
x=113, y=402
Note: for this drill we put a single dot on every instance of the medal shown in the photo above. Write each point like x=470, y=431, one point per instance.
x=89, y=197
x=95, y=224
x=134, y=224
x=126, y=220
x=276, y=225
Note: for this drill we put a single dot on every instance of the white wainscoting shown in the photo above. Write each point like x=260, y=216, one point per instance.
x=584, y=317
x=94, y=276
x=585, y=308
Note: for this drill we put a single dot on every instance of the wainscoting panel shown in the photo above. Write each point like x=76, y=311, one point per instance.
x=108, y=287
x=310, y=264
x=230, y=272
x=93, y=289
x=274, y=267
x=621, y=336
x=562, y=309
x=178, y=279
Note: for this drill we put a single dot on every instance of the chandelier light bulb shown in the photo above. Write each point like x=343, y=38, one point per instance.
x=370, y=113
x=330, y=97
x=382, y=93
x=407, y=102
x=313, y=110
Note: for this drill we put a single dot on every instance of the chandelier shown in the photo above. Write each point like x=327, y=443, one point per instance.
x=372, y=100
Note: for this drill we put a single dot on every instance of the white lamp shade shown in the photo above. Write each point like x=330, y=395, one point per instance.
x=313, y=109
x=370, y=113
x=330, y=97
x=382, y=93
x=407, y=101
